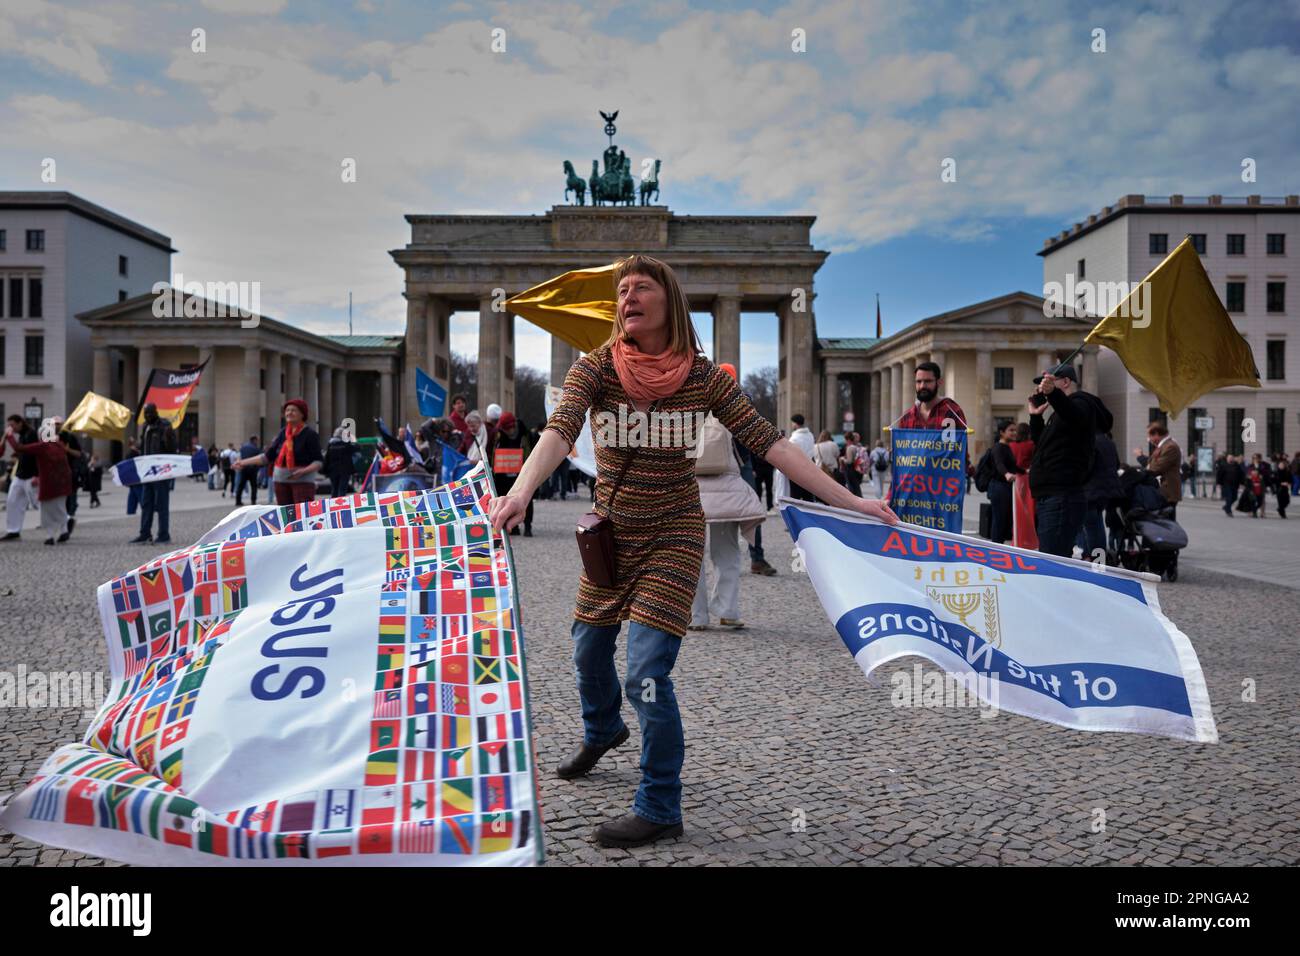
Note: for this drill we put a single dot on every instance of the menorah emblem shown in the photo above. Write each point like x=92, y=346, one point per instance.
x=963, y=602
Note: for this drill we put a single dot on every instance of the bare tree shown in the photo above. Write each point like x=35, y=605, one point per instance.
x=464, y=379
x=760, y=386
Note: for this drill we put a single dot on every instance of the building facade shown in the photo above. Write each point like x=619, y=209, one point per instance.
x=1249, y=249
x=254, y=365
x=988, y=353
x=61, y=255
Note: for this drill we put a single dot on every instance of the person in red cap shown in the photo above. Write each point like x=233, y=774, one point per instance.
x=294, y=456
x=506, y=462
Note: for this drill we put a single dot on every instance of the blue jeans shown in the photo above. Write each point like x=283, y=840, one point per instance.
x=651, y=655
x=1058, y=520
x=155, y=497
x=133, y=498
x=1092, y=536
x=756, y=549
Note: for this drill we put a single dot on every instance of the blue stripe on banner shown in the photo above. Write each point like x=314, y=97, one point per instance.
x=909, y=546
x=126, y=472
x=1103, y=685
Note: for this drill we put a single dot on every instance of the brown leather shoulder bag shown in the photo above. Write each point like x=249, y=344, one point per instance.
x=595, y=535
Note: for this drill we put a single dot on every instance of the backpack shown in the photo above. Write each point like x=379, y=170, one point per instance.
x=715, y=450
x=984, y=471
x=882, y=461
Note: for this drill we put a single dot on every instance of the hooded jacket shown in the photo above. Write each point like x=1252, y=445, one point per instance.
x=1064, y=447
x=728, y=497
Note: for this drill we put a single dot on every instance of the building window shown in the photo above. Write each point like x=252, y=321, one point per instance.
x=4, y=240
x=2, y=356
x=1236, y=243
x=1158, y=243
x=1236, y=300
x=261, y=378
x=1198, y=242
x=1235, y=417
x=121, y=265
x=1081, y=270
x=1275, y=363
x=34, y=363
x=1157, y=415
x=1276, y=296
x=1004, y=377
x=1276, y=244
x=16, y=298
x=34, y=296
x=1195, y=438
x=35, y=240
x=121, y=295
x=1275, y=419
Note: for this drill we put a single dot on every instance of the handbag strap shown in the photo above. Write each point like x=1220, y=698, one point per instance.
x=627, y=464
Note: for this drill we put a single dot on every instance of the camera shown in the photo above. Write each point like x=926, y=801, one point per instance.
x=1038, y=400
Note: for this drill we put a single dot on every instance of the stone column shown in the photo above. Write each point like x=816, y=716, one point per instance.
x=251, y=401
x=831, y=417
x=909, y=384
x=1046, y=359
x=386, y=399
x=798, y=356
x=940, y=358
x=489, y=355
x=417, y=345
x=563, y=355
x=982, y=421
x=873, y=418
x=507, y=320
x=328, y=420
x=726, y=330
x=886, y=398
x=341, y=409
x=206, y=393
x=896, y=379
x=439, y=345
x=102, y=383
x=274, y=396
x=311, y=394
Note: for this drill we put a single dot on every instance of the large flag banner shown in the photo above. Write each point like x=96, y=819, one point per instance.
x=99, y=417
x=339, y=682
x=929, y=476
x=577, y=307
x=169, y=391
x=583, y=454
x=1174, y=335
x=1010, y=623
x=143, y=469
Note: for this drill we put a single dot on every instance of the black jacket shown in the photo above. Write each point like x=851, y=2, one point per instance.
x=1104, y=486
x=26, y=460
x=1063, y=448
x=158, y=438
x=338, y=458
x=1004, y=460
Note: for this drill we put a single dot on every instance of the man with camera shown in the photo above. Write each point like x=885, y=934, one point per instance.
x=1063, y=451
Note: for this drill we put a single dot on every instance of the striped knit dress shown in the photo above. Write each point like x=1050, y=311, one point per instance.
x=658, y=522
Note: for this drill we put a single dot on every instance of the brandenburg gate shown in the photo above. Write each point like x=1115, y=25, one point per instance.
x=728, y=265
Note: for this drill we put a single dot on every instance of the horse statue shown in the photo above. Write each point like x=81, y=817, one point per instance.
x=627, y=193
x=575, y=184
x=596, y=195
x=650, y=185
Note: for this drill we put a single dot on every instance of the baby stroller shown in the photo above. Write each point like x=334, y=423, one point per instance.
x=1146, y=538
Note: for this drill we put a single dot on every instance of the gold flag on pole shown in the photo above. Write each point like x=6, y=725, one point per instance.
x=1174, y=335
x=99, y=417
x=577, y=306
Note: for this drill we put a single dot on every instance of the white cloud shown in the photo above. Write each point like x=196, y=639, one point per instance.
x=240, y=7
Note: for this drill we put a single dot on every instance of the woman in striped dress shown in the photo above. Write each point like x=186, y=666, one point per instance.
x=648, y=389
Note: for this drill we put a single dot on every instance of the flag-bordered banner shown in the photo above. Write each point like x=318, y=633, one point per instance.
x=929, y=476
x=356, y=695
x=1013, y=620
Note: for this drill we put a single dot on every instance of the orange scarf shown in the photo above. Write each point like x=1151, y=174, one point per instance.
x=647, y=378
x=285, y=458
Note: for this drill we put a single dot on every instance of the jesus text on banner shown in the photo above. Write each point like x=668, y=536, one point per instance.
x=929, y=483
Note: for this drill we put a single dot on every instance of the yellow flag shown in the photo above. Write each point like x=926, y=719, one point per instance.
x=577, y=307
x=1183, y=344
x=99, y=417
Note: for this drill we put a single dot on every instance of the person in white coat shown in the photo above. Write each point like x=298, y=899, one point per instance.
x=802, y=438
x=731, y=508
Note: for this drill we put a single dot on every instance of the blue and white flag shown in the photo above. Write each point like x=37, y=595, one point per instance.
x=143, y=469
x=431, y=396
x=1061, y=640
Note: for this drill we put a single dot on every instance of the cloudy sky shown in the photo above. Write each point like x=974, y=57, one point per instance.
x=235, y=152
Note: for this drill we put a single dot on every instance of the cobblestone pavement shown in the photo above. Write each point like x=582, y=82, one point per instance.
x=781, y=727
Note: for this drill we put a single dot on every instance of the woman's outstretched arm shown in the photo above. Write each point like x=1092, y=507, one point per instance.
x=801, y=470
